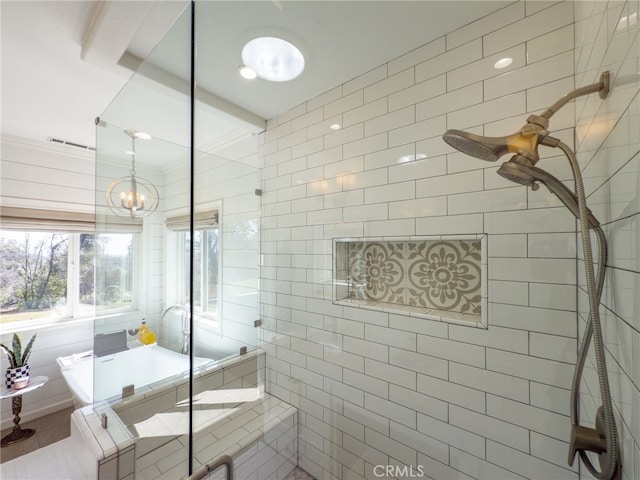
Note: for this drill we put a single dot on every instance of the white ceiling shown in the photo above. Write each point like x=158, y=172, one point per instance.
x=64, y=62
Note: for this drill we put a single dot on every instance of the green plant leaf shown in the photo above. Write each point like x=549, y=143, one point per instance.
x=16, y=356
x=10, y=355
x=17, y=348
x=27, y=351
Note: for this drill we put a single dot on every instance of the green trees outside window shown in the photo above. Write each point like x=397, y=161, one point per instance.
x=45, y=274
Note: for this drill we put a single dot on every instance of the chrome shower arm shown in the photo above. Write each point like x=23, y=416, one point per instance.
x=602, y=87
x=523, y=143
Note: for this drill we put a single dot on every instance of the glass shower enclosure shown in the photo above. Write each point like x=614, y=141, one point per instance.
x=176, y=253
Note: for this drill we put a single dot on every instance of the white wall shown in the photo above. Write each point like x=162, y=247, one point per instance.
x=51, y=343
x=45, y=175
x=374, y=388
x=608, y=142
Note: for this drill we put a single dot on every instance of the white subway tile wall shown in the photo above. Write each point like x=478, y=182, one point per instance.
x=392, y=389
x=608, y=136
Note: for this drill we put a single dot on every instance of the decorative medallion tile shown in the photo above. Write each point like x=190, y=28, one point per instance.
x=431, y=274
x=445, y=275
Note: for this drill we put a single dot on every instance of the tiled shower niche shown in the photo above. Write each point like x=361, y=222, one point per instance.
x=442, y=278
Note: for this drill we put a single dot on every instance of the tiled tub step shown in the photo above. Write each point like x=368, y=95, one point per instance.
x=147, y=436
x=260, y=436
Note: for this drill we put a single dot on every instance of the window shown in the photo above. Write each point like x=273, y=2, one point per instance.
x=206, y=261
x=205, y=270
x=33, y=273
x=113, y=270
x=55, y=275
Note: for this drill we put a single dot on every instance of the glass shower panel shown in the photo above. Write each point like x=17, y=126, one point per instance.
x=227, y=182
x=142, y=180
x=176, y=283
x=226, y=256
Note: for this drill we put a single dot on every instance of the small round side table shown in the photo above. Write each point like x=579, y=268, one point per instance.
x=18, y=434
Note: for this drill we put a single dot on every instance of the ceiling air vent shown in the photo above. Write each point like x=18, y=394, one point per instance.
x=71, y=144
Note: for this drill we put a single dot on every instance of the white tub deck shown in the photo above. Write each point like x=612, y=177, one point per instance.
x=139, y=366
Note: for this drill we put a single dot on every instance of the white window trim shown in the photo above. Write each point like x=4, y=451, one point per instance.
x=209, y=318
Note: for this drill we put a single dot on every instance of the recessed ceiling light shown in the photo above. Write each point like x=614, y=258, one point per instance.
x=247, y=72
x=273, y=59
x=503, y=62
x=335, y=126
x=141, y=135
x=411, y=158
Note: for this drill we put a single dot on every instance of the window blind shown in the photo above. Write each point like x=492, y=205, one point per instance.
x=32, y=219
x=202, y=221
x=115, y=224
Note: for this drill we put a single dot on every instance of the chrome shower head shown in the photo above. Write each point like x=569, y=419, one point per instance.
x=531, y=176
x=519, y=172
x=491, y=149
x=524, y=143
x=484, y=148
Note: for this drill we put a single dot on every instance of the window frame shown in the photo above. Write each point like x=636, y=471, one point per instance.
x=210, y=318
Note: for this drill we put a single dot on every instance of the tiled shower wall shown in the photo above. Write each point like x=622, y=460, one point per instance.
x=608, y=144
x=374, y=388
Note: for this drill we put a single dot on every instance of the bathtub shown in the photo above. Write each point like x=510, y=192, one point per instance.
x=137, y=366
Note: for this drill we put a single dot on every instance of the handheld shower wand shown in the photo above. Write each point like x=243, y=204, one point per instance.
x=521, y=169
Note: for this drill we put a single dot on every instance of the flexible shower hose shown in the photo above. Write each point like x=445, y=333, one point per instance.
x=593, y=328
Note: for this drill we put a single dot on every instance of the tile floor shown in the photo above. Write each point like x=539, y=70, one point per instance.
x=49, y=429
x=299, y=474
x=55, y=461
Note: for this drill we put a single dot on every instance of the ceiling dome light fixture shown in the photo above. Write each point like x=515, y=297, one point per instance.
x=132, y=196
x=503, y=63
x=273, y=59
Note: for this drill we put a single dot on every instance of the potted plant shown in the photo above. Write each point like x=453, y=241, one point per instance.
x=18, y=366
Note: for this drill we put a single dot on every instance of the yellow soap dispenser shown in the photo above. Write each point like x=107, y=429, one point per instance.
x=142, y=331
x=145, y=335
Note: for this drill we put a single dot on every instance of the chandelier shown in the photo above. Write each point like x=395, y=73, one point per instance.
x=132, y=196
